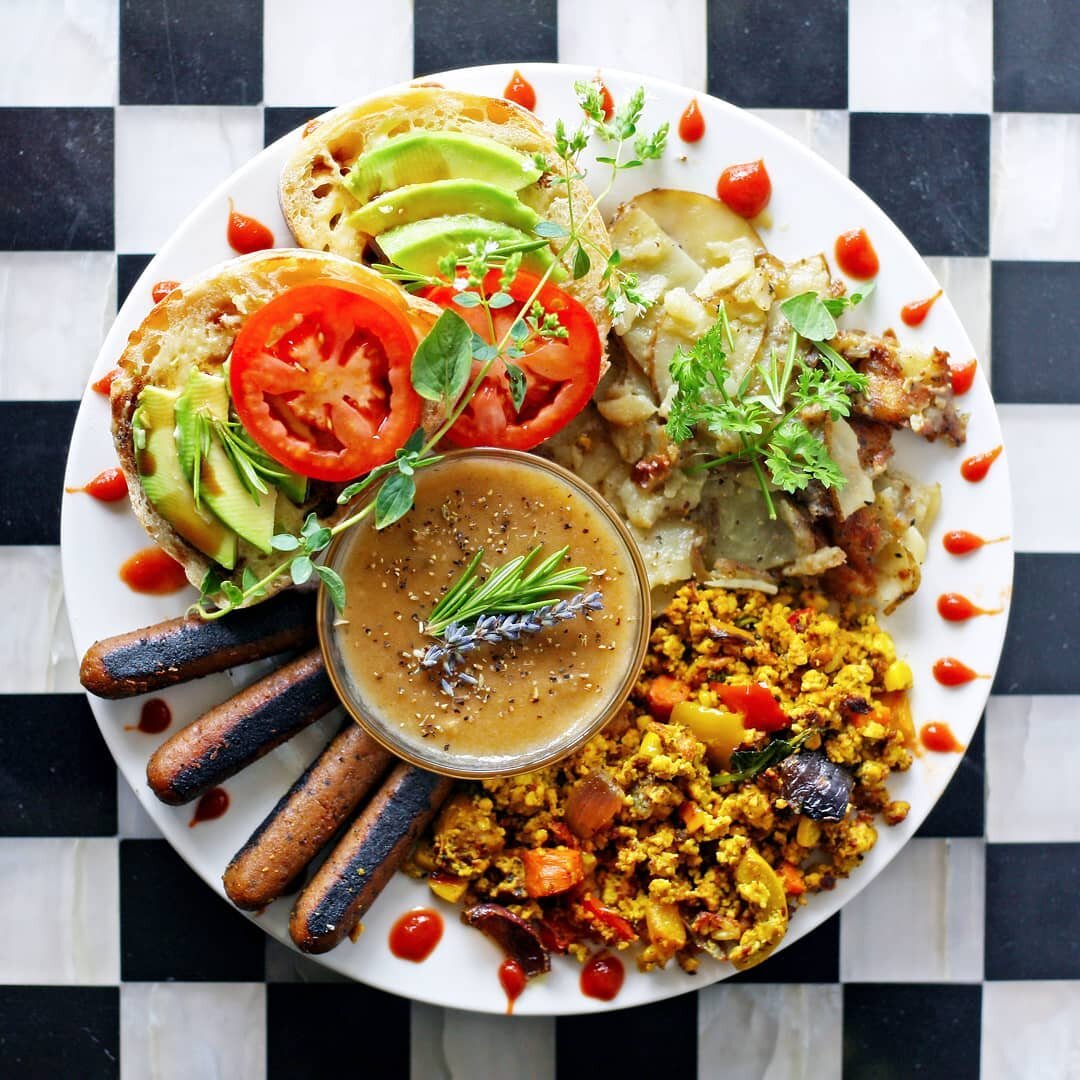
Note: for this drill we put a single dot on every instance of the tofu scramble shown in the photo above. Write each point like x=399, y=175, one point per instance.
x=638, y=840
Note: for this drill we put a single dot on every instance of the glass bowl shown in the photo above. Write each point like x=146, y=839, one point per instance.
x=402, y=706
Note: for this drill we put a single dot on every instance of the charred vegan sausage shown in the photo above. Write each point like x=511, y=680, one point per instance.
x=305, y=818
x=241, y=730
x=356, y=871
x=188, y=648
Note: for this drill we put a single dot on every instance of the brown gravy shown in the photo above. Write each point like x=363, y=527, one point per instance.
x=533, y=694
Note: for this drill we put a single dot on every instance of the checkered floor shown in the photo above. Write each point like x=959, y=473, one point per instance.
x=962, y=119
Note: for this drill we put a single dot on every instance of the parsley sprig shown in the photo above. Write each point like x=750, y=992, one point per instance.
x=769, y=408
x=452, y=361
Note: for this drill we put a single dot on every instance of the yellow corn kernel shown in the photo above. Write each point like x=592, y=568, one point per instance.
x=450, y=889
x=898, y=676
x=650, y=744
x=808, y=833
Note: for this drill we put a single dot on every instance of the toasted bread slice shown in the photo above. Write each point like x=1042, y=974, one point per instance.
x=194, y=327
x=317, y=204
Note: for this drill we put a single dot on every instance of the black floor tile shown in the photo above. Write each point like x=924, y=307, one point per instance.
x=1042, y=648
x=1032, y=917
x=199, y=52
x=128, y=269
x=650, y=1040
x=814, y=958
x=1035, y=367
x=308, y=1030
x=1036, y=56
x=56, y=775
x=60, y=1031
x=34, y=436
x=449, y=34
x=173, y=926
x=56, y=186
x=775, y=54
x=930, y=173
x=279, y=120
x=899, y=1031
x=961, y=810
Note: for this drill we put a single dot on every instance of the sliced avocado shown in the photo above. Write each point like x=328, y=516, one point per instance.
x=293, y=486
x=420, y=245
x=440, y=198
x=163, y=479
x=438, y=155
x=250, y=515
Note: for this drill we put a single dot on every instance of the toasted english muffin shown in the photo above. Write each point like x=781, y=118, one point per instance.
x=194, y=327
x=317, y=203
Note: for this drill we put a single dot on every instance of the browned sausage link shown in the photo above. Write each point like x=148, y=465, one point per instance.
x=188, y=648
x=305, y=818
x=239, y=731
x=356, y=871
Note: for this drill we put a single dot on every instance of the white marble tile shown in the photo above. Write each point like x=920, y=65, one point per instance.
x=1030, y=1029
x=1030, y=745
x=1027, y=147
x=37, y=654
x=448, y=1044
x=920, y=56
x=60, y=909
x=132, y=820
x=663, y=38
x=770, y=1032
x=360, y=49
x=966, y=282
x=168, y=158
x=50, y=358
x=1046, y=502
x=825, y=131
x=931, y=899
x=65, y=52
x=175, y=1031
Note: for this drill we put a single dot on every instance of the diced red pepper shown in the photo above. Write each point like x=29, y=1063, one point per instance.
x=756, y=704
x=609, y=918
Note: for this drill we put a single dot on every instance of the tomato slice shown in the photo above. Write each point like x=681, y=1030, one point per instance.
x=560, y=373
x=320, y=377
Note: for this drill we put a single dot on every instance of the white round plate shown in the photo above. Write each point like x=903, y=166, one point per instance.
x=811, y=205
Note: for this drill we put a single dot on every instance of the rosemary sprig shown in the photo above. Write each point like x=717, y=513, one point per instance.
x=513, y=587
x=252, y=464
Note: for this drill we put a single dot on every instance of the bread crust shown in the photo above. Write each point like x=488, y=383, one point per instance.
x=316, y=203
x=194, y=327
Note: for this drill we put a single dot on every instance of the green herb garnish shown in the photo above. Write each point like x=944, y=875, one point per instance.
x=748, y=763
x=513, y=587
x=765, y=410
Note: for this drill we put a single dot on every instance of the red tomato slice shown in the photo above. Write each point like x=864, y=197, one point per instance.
x=560, y=373
x=320, y=377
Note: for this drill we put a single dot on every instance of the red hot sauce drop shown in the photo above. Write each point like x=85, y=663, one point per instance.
x=520, y=91
x=162, y=289
x=956, y=608
x=963, y=377
x=212, y=805
x=107, y=486
x=914, y=314
x=602, y=976
x=975, y=468
x=512, y=978
x=103, y=386
x=154, y=717
x=153, y=571
x=247, y=234
x=745, y=188
x=939, y=738
x=415, y=935
x=855, y=255
x=962, y=542
x=692, y=123
x=952, y=672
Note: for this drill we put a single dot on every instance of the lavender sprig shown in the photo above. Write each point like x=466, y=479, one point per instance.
x=459, y=639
